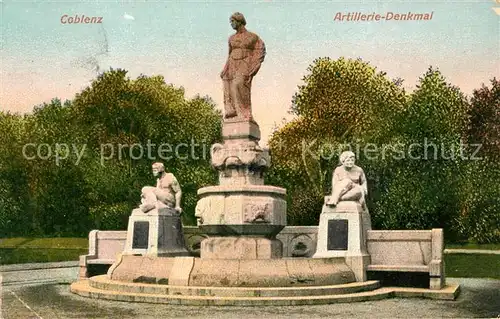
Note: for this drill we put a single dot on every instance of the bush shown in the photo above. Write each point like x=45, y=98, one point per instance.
x=111, y=216
x=479, y=217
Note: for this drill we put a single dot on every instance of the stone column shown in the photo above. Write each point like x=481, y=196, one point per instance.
x=241, y=215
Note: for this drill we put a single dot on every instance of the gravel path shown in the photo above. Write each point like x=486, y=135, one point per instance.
x=480, y=298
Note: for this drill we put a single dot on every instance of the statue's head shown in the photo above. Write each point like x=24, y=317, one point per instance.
x=347, y=159
x=237, y=19
x=158, y=168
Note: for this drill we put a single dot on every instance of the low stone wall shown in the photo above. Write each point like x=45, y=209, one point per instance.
x=298, y=241
x=418, y=251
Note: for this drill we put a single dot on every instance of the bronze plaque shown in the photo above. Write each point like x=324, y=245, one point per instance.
x=337, y=234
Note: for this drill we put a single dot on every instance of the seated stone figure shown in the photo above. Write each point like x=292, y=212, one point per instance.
x=348, y=182
x=166, y=194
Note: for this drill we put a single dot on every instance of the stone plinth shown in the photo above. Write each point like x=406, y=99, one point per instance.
x=281, y=272
x=241, y=248
x=240, y=160
x=203, y=272
x=155, y=233
x=240, y=130
x=342, y=233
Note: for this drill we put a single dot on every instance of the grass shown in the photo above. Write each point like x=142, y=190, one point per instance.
x=29, y=255
x=472, y=265
x=49, y=243
x=474, y=246
x=39, y=250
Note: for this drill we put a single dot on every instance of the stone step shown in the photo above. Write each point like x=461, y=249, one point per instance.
x=103, y=283
x=84, y=289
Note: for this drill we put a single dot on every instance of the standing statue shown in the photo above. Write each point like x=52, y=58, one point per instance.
x=348, y=182
x=167, y=192
x=246, y=53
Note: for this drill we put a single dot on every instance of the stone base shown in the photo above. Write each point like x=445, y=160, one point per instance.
x=156, y=233
x=100, y=287
x=246, y=230
x=240, y=130
x=146, y=269
x=241, y=175
x=241, y=248
x=342, y=233
x=358, y=265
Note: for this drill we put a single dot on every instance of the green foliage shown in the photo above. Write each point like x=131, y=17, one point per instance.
x=347, y=104
x=479, y=188
x=14, y=203
x=479, y=203
x=362, y=101
x=343, y=104
x=111, y=216
x=422, y=189
x=97, y=179
x=484, y=126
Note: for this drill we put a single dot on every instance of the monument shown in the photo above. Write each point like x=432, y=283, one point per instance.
x=241, y=260
x=344, y=219
x=241, y=205
x=155, y=227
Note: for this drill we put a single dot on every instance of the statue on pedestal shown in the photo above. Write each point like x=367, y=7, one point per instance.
x=348, y=182
x=166, y=194
x=246, y=53
x=155, y=227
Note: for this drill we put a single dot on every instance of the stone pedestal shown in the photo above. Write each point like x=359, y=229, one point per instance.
x=342, y=233
x=240, y=130
x=241, y=214
x=155, y=233
x=241, y=248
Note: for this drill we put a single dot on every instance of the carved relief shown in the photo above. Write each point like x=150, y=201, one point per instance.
x=301, y=246
x=257, y=213
x=202, y=207
x=248, y=154
x=209, y=210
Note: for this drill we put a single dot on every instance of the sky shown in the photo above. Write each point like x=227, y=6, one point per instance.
x=186, y=42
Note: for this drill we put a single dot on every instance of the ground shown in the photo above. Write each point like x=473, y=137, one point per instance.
x=480, y=298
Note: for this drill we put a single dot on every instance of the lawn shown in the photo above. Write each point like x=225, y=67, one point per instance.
x=36, y=250
x=472, y=265
x=473, y=246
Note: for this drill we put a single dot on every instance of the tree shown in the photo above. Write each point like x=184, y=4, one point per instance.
x=343, y=104
x=479, y=188
x=96, y=179
x=119, y=117
x=15, y=216
x=484, y=125
x=422, y=189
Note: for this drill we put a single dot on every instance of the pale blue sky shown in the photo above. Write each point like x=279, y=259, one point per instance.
x=186, y=41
